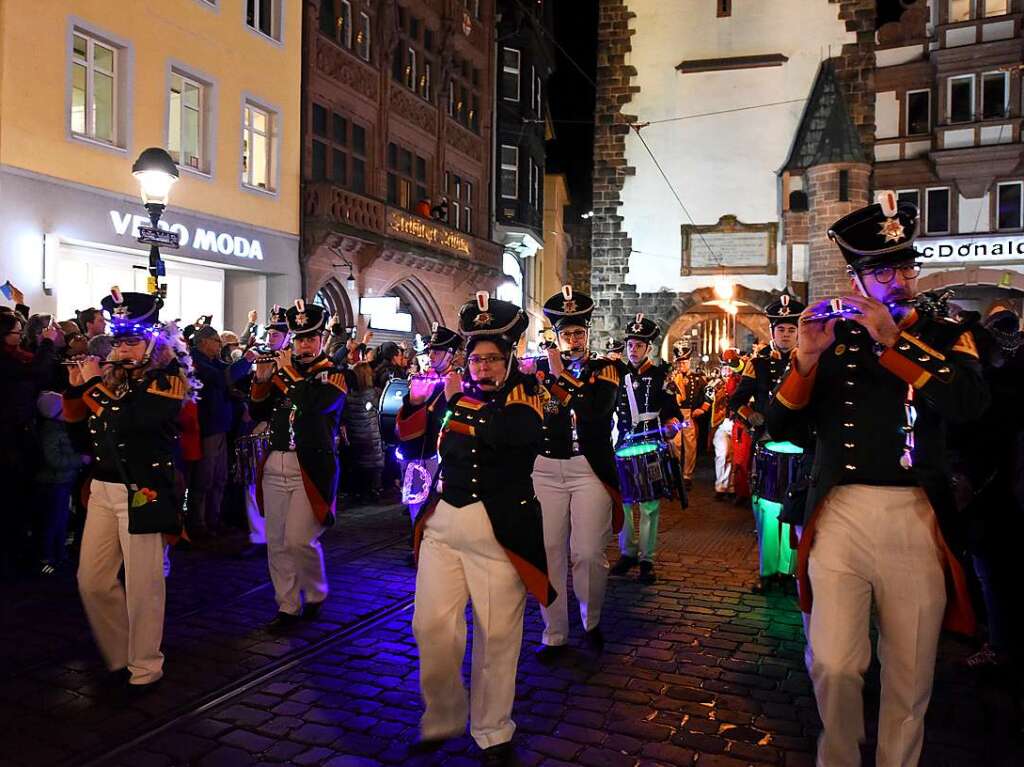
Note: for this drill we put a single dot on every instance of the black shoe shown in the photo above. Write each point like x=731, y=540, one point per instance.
x=253, y=551
x=761, y=587
x=647, y=576
x=115, y=679
x=549, y=653
x=138, y=690
x=688, y=484
x=502, y=755
x=624, y=565
x=311, y=610
x=428, y=745
x=283, y=622
x=595, y=638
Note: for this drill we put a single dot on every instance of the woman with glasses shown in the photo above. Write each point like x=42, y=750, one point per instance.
x=879, y=378
x=480, y=537
x=575, y=474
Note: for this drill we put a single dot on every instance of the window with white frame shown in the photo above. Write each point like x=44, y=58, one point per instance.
x=459, y=192
x=537, y=101
x=424, y=84
x=510, y=74
x=960, y=99
x=919, y=112
x=995, y=94
x=410, y=69
x=997, y=7
x=363, y=37
x=467, y=207
x=937, y=219
x=186, y=123
x=912, y=196
x=509, y=171
x=451, y=98
x=94, y=84
x=258, y=129
x=959, y=10
x=264, y=16
x=534, y=185
x=1009, y=213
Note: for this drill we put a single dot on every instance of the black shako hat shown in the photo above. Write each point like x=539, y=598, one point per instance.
x=131, y=314
x=441, y=339
x=877, y=235
x=278, y=319
x=490, y=319
x=642, y=329
x=680, y=351
x=569, y=308
x=614, y=346
x=784, y=310
x=305, y=319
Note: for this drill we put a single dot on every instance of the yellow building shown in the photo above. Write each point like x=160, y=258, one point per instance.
x=86, y=85
x=548, y=270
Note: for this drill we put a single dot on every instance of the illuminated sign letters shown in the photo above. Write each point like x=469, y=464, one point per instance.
x=126, y=224
x=428, y=233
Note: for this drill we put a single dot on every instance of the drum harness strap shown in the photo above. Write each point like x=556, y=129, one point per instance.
x=634, y=411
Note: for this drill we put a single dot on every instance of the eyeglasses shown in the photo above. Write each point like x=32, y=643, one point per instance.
x=484, y=359
x=568, y=335
x=126, y=341
x=887, y=274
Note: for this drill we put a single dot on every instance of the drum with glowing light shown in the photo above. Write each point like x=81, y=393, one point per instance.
x=777, y=467
x=645, y=471
x=390, y=403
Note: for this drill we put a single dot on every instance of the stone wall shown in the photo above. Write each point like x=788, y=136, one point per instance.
x=855, y=66
x=827, y=277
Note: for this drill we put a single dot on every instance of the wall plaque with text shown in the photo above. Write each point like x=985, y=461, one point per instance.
x=731, y=245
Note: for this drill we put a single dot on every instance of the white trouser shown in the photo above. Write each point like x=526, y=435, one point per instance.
x=257, y=525
x=723, y=457
x=294, y=554
x=128, y=620
x=576, y=508
x=460, y=559
x=430, y=464
x=874, y=543
x=638, y=540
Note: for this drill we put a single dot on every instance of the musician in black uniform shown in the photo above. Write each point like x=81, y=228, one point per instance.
x=645, y=405
x=302, y=394
x=129, y=409
x=423, y=409
x=575, y=475
x=690, y=389
x=879, y=386
x=614, y=349
x=480, y=537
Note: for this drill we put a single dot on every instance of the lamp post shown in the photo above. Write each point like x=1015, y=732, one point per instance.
x=156, y=173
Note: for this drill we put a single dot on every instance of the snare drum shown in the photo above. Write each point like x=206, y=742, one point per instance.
x=390, y=403
x=777, y=465
x=645, y=471
x=249, y=453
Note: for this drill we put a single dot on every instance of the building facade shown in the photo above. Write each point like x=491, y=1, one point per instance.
x=548, y=270
x=730, y=134
x=85, y=86
x=397, y=158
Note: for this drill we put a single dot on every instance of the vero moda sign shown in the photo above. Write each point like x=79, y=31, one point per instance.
x=201, y=238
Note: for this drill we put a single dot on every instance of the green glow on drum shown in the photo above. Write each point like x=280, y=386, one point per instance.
x=631, y=451
x=783, y=447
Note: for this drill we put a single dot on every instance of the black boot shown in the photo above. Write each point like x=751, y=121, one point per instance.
x=283, y=622
x=502, y=755
x=624, y=565
x=594, y=639
x=647, y=576
x=549, y=653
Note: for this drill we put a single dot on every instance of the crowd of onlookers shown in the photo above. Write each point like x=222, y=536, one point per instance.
x=45, y=474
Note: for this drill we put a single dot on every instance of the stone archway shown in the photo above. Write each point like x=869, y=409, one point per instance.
x=333, y=297
x=422, y=305
x=972, y=275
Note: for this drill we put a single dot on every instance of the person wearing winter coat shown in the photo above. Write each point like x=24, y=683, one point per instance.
x=365, y=447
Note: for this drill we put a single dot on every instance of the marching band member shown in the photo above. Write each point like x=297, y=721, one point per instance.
x=613, y=349
x=750, y=402
x=644, y=403
x=721, y=421
x=689, y=387
x=575, y=474
x=275, y=340
x=879, y=386
x=130, y=407
x=423, y=410
x=480, y=537
x=302, y=395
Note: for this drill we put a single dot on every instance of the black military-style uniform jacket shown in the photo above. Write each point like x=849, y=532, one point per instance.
x=653, y=395
x=419, y=426
x=139, y=430
x=488, y=445
x=303, y=405
x=689, y=390
x=855, y=399
x=760, y=376
x=578, y=420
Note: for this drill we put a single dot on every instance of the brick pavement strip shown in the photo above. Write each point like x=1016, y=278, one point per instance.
x=696, y=671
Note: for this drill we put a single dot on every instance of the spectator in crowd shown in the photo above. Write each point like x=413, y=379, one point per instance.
x=92, y=322
x=230, y=347
x=389, y=364
x=54, y=479
x=365, y=448
x=75, y=344
x=216, y=412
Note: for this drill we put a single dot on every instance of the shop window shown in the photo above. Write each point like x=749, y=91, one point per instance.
x=961, y=99
x=510, y=74
x=509, y=172
x=1009, y=214
x=264, y=16
x=259, y=127
x=94, y=88
x=407, y=177
x=909, y=195
x=339, y=150
x=937, y=215
x=187, y=122
x=995, y=94
x=919, y=112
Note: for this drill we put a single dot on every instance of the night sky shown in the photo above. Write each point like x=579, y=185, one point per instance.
x=571, y=97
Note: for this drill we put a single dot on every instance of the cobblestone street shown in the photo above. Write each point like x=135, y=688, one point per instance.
x=697, y=670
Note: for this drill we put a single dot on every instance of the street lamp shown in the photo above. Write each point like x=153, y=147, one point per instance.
x=350, y=281
x=156, y=173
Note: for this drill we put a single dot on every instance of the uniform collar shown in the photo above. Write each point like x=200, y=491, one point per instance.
x=644, y=367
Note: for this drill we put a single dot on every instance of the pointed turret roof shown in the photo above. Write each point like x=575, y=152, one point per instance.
x=826, y=133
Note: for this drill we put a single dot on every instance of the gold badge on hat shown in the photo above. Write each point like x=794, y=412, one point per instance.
x=568, y=304
x=300, y=319
x=891, y=227
x=483, y=304
x=638, y=325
